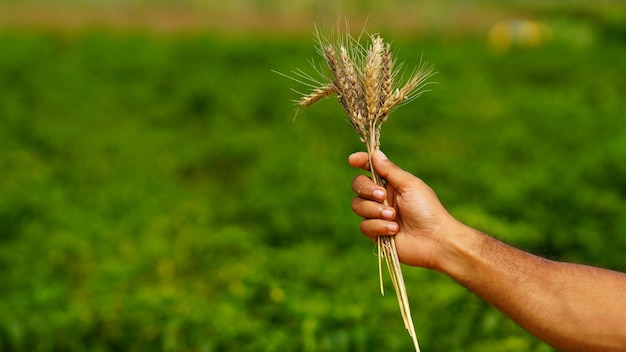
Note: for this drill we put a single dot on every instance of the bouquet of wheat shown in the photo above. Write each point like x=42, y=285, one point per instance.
x=366, y=83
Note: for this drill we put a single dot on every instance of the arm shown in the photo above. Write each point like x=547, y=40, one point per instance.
x=571, y=307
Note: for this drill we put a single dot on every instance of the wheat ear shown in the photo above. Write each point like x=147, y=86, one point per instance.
x=364, y=80
x=316, y=95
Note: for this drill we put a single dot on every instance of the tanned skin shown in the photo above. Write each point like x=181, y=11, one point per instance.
x=571, y=307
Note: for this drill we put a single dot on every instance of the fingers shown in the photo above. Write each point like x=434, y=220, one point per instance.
x=390, y=171
x=385, y=168
x=378, y=218
x=368, y=204
x=364, y=187
x=372, y=210
x=359, y=160
x=373, y=228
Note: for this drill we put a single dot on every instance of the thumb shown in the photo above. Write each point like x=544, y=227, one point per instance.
x=394, y=175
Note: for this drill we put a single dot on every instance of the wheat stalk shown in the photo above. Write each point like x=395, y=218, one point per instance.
x=364, y=79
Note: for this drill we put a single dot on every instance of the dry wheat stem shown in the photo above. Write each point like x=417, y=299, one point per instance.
x=365, y=81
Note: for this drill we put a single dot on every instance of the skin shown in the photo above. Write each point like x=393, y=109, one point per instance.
x=572, y=307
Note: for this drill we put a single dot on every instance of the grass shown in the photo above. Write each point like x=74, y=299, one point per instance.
x=158, y=195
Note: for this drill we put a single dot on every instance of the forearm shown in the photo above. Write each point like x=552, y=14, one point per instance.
x=572, y=307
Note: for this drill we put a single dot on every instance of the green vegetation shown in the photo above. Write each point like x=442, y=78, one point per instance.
x=157, y=194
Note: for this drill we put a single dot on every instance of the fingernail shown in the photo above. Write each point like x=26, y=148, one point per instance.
x=392, y=227
x=381, y=154
x=379, y=194
x=388, y=213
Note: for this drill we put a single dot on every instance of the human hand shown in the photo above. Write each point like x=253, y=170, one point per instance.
x=414, y=213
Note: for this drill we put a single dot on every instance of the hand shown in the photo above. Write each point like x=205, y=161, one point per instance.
x=549, y=299
x=414, y=214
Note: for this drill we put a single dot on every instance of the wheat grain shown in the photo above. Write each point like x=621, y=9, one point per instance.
x=373, y=75
x=353, y=88
x=386, y=82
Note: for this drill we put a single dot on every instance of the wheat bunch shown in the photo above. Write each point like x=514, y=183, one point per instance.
x=366, y=83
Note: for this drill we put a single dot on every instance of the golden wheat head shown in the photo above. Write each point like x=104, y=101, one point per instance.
x=365, y=81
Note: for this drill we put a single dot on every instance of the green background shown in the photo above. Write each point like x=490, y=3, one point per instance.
x=157, y=193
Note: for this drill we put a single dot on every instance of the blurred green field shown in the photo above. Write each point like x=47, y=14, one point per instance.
x=158, y=194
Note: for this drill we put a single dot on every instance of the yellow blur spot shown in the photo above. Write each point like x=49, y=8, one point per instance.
x=505, y=35
x=277, y=294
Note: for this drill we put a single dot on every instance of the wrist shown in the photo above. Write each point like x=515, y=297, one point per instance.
x=457, y=246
